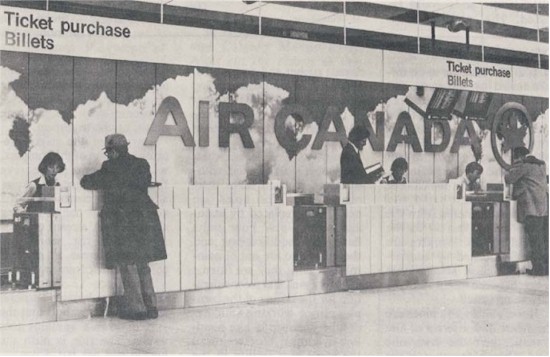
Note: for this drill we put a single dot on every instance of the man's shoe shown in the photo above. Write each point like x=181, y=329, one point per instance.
x=133, y=315
x=152, y=313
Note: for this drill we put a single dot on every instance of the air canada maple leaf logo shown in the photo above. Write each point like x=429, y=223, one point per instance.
x=511, y=126
x=512, y=134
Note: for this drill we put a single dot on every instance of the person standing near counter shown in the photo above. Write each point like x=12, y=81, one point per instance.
x=130, y=225
x=472, y=177
x=528, y=175
x=352, y=170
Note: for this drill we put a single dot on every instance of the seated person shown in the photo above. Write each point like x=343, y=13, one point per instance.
x=399, y=167
x=49, y=167
x=472, y=177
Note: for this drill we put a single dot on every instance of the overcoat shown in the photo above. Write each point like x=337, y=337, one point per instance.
x=351, y=167
x=130, y=224
x=530, y=188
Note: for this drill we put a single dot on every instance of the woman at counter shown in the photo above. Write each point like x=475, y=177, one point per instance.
x=49, y=167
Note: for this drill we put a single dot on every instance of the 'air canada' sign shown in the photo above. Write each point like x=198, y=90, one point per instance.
x=403, y=132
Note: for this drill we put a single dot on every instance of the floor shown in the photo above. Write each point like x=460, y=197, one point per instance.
x=505, y=315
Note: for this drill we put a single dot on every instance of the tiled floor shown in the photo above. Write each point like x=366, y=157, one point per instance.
x=493, y=316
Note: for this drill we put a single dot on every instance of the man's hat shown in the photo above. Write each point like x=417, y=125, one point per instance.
x=115, y=140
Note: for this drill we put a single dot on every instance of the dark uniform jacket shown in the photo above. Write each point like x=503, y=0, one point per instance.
x=530, y=188
x=351, y=167
x=130, y=224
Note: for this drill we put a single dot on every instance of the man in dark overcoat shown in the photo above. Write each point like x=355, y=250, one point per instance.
x=130, y=225
x=528, y=175
x=352, y=170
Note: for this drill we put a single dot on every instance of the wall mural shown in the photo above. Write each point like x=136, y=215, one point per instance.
x=211, y=126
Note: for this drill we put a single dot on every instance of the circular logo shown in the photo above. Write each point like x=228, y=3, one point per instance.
x=512, y=127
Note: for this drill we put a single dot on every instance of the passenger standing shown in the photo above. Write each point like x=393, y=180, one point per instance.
x=528, y=175
x=130, y=225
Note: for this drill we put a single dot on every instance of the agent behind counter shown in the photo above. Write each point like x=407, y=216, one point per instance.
x=352, y=170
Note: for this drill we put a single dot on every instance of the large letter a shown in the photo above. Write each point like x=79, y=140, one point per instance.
x=169, y=105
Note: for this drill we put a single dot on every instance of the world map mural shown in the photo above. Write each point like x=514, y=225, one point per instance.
x=292, y=127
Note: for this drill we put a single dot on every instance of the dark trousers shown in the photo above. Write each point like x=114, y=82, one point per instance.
x=139, y=294
x=536, y=230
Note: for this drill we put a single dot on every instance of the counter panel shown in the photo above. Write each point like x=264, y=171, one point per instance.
x=90, y=254
x=172, y=234
x=71, y=255
x=271, y=245
x=258, y=245
x=207, y=247
x=231, y=246
x=391, y=237
x=187, y=249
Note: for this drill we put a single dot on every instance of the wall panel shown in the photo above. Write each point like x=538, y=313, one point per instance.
x=15, y=110
x=246, y=164
x=279, y=163
x=94, y=112
x=136, y=106
x=211, y=161
x=50, y=105
x=173, y=158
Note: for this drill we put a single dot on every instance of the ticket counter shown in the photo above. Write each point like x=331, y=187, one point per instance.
x=238, y=243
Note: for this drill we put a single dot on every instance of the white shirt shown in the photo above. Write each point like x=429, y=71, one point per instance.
x=354, y=147
x=465, y=181
x=30, y=190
